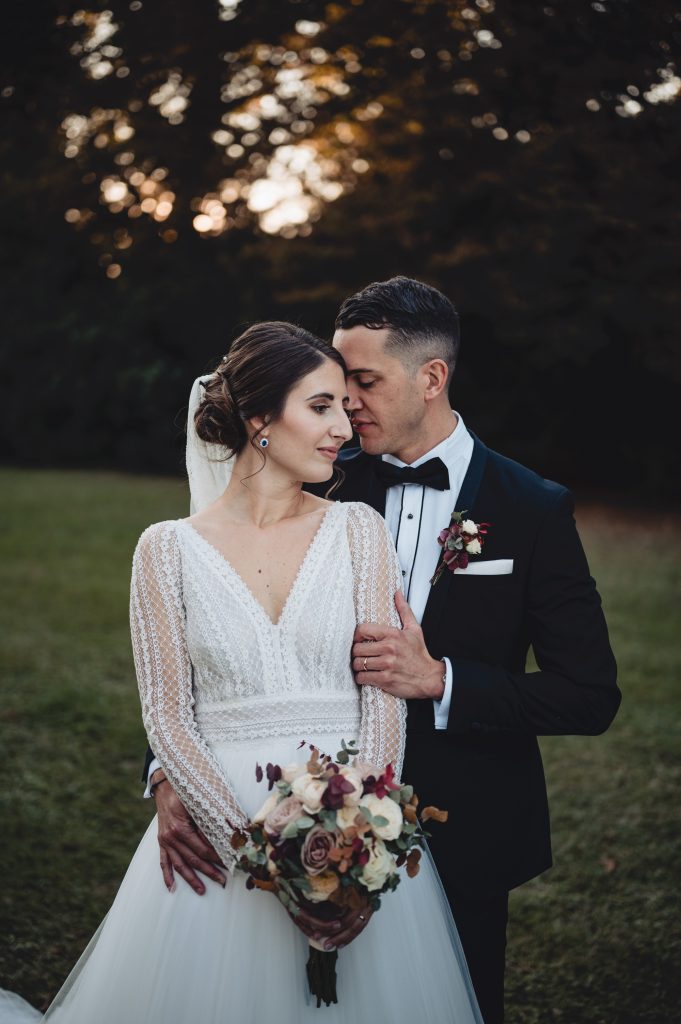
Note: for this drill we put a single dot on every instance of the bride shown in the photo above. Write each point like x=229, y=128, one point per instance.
x=242, y=621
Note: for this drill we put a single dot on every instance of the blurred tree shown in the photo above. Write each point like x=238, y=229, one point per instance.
x=218, y=163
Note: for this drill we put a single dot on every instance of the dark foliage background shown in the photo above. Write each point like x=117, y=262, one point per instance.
x=559, y=245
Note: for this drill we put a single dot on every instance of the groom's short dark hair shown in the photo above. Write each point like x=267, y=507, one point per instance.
x=423, y=323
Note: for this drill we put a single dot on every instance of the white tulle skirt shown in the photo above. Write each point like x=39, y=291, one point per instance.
x=234, y=955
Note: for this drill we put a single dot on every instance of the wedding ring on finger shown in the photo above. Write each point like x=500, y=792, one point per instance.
x=364, y=665
x=362, y=917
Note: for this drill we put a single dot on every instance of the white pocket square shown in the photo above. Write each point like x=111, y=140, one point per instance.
x=492, y=567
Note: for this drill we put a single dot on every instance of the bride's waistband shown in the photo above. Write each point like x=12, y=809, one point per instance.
x=281, y=715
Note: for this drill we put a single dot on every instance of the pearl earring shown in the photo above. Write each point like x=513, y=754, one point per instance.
x=263, y=442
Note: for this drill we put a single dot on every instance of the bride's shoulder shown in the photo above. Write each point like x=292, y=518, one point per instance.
x=158, y=535
x=359, y=511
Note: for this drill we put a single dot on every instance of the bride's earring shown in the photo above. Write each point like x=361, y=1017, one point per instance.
x=263, y=442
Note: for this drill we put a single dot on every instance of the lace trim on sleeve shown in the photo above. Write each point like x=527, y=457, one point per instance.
x=376, y=576
x=164, y=676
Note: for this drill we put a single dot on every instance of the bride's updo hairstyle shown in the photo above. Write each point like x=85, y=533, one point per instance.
x=255, y=378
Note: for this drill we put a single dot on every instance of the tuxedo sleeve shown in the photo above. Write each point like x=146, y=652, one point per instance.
x=575, y=690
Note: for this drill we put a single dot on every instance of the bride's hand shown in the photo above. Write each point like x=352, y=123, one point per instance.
x=336, y=933
x=184, y=848
x=353, y=924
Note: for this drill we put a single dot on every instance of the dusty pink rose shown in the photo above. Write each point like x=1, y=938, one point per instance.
x=287, y=810
x=315, y=853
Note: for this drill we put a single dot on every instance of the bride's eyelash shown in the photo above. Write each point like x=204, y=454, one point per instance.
x=318, y=407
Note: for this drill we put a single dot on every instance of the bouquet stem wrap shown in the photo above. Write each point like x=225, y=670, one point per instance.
x=321, y=974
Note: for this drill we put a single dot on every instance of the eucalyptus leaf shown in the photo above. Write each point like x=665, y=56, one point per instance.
x=328, y=820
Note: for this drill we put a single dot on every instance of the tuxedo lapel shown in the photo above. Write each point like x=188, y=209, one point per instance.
x=361, y=482
x=465, y=502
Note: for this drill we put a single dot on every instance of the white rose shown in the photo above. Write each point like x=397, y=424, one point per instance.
x=345, y=817
x=385, y=808
x=269, y=805
x=309, y=791
x=380, y=865
x=468, y=526
x=292, y=772
x=355, y=779
x=473, y=547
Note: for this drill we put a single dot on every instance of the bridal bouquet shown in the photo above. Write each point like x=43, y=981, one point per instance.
x=331, y=837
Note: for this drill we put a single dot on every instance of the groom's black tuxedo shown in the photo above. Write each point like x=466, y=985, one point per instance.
x=485, y=768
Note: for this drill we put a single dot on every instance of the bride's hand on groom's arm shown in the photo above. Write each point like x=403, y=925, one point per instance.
x=184, y=849
x=397, y=660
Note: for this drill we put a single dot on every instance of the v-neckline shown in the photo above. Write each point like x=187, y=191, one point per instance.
x=222, y=559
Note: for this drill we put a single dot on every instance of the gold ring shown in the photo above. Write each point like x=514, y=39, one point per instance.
x=364, y=665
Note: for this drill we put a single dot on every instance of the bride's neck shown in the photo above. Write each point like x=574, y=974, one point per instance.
x=262, y=495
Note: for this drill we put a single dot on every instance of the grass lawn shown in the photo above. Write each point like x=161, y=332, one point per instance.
x=596, y=940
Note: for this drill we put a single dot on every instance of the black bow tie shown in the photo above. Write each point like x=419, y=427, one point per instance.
x=432, y=473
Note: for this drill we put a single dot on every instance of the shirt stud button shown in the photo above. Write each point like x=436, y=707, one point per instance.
x=404, y=572
x=410, y=515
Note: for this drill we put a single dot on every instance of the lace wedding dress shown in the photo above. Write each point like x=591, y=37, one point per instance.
x=224, y=687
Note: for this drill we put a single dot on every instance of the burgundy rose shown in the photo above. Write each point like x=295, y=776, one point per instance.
x=318, y=844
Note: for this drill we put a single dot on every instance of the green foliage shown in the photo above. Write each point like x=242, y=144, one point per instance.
x=553, y=225
x=596, y=940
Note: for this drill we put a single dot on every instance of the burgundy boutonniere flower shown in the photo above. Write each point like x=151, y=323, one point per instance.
x=461, y=539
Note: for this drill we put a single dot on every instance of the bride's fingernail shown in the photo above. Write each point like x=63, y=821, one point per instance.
x=329, y=946
x=173, y=887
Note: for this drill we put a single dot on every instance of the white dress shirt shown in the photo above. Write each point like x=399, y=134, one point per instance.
x=415, y=515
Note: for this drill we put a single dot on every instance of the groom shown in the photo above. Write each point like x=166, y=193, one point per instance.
x=474, y=712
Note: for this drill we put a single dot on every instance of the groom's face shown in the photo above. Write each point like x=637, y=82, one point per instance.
x=386, y=408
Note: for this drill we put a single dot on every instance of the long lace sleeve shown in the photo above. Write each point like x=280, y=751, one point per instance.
x=164, y=676
x=376, y=577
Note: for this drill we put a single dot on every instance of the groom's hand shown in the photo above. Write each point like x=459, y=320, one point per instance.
x=183, y=847
x=397, y=660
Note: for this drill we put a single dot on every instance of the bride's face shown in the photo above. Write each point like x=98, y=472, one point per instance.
x=305, y=439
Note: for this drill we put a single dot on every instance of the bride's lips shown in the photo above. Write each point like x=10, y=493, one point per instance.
x=330, y=453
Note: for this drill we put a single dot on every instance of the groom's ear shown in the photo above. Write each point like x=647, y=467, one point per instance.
x=435, y=376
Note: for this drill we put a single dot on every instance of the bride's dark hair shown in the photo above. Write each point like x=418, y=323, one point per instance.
x=254, y=379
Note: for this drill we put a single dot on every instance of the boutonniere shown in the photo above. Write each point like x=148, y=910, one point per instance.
x=461, y=539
